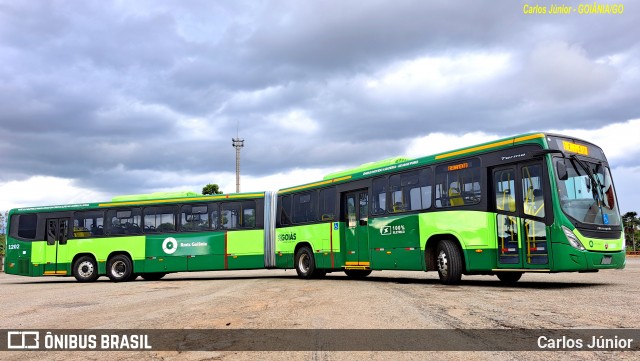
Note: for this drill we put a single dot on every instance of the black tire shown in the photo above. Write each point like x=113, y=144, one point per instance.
x=357, y=273
x=153, y=276
x=85, y=269
x=119, y=268
x=449, y=262
x=509, y=277
x=305, y=263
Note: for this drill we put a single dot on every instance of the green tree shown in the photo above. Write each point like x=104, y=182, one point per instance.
x=630, y=221
x=211, y=189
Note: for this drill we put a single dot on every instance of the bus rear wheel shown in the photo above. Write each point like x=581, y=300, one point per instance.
x=509, y=277
x=85, y=269
x=357, y=273
x=119, y=268
x=449, y=262
x=305, y=263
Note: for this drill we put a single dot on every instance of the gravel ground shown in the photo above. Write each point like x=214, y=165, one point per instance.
x=277, y=299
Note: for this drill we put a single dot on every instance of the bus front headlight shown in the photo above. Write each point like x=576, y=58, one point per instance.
x=573, y=240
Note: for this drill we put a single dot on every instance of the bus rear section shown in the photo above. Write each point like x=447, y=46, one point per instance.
x=146, y=237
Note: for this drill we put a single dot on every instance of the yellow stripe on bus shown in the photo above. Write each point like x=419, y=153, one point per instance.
x=170, y=200
x=55, y=272
x=491, y=145
x=315, y=184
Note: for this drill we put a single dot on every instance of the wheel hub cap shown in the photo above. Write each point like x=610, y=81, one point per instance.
x=443, y=264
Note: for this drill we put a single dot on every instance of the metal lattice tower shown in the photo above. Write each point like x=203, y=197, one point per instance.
x=237, y=143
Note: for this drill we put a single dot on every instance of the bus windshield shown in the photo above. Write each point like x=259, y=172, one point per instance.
x=586, y=192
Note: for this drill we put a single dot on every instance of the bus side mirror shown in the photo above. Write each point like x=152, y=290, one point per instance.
x=561, y=170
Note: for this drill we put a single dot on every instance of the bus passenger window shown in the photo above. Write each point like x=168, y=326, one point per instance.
x=124, y=221
x=425, y=181
x=285, y=211
x=458, y=184
x=379, y=200
x=238, y=215
x=304, y=207
x=327, y=202
x=194, y=218
x=160, y=219
x=27, y=225
x=88, y=224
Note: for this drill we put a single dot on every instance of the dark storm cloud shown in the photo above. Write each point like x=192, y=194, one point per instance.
x=107, y=93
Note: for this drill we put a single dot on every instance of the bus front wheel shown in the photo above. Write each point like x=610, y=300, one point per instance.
x=449, y=262
x=119, y=268
x=85, y=269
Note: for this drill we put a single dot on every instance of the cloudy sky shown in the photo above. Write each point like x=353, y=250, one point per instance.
x=101, y=98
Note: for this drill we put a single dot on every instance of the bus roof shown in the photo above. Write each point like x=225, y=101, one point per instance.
x=143, y=199
x=156, y=195
x=388, y=165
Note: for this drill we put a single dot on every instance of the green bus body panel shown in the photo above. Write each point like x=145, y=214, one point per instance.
x=184, y=252
x=245, y=249
x=324, y=239
x=250, y=242
x=99, y=248
x=320, y=236
x=185, y=244
x=474, y=229
x=576, y=260
x=205, y=251
x=398, y=242
x=394, y=243
x=193, y=252
x=18, y=258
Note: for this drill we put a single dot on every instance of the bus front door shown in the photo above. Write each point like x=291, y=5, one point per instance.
x=356, y=211
x=521, y=231
x=56, y=247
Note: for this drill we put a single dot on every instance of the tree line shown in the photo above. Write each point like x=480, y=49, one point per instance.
x=631, y=222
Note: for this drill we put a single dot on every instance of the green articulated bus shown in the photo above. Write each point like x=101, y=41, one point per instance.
x=529, y=203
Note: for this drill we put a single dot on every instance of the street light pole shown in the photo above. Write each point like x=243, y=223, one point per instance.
x=238, y=143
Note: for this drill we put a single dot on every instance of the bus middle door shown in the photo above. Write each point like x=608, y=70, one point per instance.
x=356, y=205
x=57, y=236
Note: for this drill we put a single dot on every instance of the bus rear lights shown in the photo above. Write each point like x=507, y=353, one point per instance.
x=573, y=240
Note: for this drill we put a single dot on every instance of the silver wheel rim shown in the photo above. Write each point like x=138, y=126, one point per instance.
x=303, y=263
x=118, y=269
x=85, y=269
x=443, y=264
